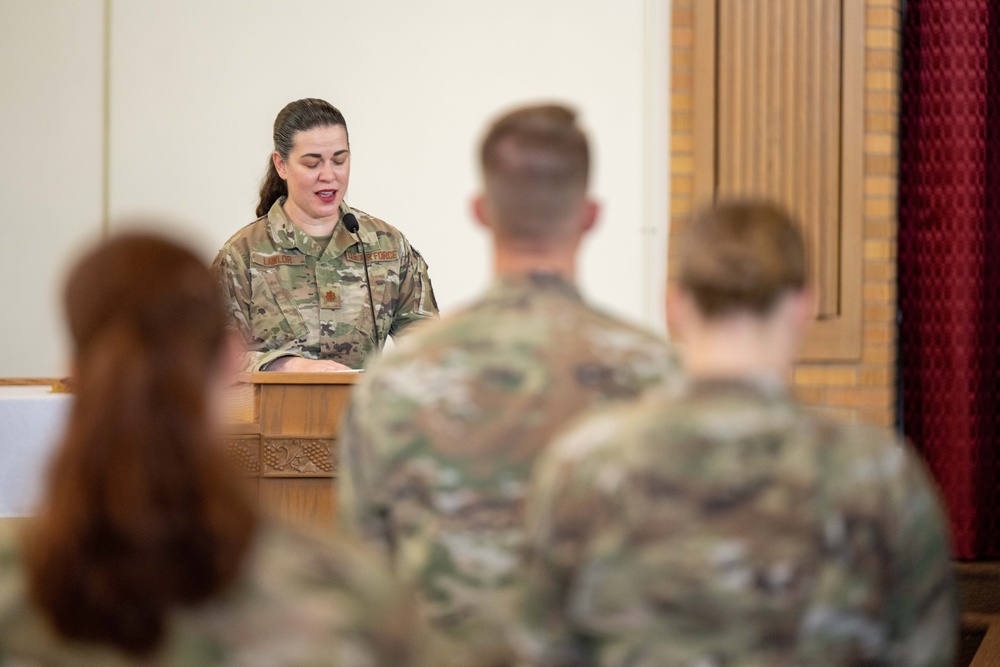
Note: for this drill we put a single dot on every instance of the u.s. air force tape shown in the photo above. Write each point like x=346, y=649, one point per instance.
x=374, y=256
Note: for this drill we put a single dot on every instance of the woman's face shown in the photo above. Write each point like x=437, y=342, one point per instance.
x=317, y=171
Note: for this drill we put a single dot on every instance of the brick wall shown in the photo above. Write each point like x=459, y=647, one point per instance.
x=863, y=390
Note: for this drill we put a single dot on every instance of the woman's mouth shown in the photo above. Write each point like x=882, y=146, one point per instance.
x=326, y=196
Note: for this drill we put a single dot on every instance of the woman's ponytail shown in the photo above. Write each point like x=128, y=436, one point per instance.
x=272, y=188
x=141, y=514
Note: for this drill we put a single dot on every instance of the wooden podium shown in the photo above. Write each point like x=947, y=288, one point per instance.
x=283, y=439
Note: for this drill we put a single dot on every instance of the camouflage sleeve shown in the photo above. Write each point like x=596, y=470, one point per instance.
x=358, y=514
x=416, y=294
x=374, y=621
x=232, y=273
x=887, y=588
x=923, y=598
x=563, y=511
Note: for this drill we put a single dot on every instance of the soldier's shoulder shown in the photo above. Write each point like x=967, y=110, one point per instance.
x=251, y=235
x=348, y=583
x=615, y=328
x=858, y=444
x=613, y=431
x=378, y=225
x=314, y=560
x=386, y=233
x=435, y=335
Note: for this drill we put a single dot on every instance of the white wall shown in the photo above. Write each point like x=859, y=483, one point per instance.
x=195, y=86
x=51, y=74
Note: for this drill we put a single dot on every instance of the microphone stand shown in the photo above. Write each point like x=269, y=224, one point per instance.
x=353, y=226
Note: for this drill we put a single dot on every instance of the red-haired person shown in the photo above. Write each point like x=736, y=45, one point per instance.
x=145, y=549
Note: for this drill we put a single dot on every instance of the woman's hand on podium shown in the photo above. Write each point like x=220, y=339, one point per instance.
x=300, y=365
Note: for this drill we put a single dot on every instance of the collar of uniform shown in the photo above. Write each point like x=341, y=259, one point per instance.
x=343, y=240
x=535, y=281
x=767, y=386
x=286, y=234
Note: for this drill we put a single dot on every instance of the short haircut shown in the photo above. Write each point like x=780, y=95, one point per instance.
x=536, y=164
x=741, y=256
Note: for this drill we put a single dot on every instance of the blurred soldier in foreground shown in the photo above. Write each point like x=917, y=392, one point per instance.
x=145, y=549
x=441, y=436
x=727, y=526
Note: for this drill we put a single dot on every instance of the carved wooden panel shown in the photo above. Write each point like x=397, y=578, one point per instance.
x=244, y=454
x=778, y=112
x=299, y=457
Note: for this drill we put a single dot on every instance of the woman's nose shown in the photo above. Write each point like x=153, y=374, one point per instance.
x=326, y=172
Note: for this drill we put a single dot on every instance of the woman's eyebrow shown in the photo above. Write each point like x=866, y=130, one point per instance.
x=320, y=157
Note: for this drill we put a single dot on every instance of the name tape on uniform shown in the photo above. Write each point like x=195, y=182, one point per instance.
x=376, y=256
x=275, y=260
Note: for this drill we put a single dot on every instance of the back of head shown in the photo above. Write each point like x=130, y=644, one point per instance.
x=741, y=256
x=140, y=514
x=536, y=164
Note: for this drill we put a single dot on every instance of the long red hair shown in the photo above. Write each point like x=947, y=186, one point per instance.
x=141, y=514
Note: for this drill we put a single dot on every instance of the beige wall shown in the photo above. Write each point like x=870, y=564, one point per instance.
x=194, y=87
x=51, y=120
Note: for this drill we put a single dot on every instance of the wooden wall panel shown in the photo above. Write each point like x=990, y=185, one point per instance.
x=778, y=91
x=741, y=118
x=778, y=119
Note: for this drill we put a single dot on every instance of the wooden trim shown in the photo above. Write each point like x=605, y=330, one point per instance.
x=236, y=429
x=27, y=382
x=704, y=94
x=268, y=377
x=839, y=338
x=988, y=653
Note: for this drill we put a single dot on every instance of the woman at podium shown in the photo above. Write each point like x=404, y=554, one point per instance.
x=313, y=284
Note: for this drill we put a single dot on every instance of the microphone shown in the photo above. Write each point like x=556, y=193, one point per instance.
x=352, y=225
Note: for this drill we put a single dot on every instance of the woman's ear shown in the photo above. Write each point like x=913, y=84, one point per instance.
x=279, y=165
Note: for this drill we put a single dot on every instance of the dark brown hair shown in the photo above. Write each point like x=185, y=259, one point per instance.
x=297, y=116
x=141, y=514
x=536, y=163
x=741, y=256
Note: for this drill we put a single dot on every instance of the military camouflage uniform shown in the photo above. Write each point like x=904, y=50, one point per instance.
x=290, y=296
x=441, y=435
x=728, y=527
x=301, y=600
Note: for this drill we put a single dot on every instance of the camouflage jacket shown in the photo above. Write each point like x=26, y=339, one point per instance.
x=441, y=435
x=728, y=526
x=289, y=296
x=301, y=600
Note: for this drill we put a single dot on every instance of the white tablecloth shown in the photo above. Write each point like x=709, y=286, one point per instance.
x=31, y=421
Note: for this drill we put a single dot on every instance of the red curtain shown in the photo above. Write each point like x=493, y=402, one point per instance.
x=949, y=257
